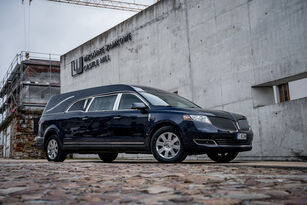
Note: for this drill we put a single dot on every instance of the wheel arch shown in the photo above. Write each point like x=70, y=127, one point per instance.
x=180, y=155
x=51, y=130
x=160, y=125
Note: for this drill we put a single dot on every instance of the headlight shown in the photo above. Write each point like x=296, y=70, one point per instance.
x=198, y=118
x=249, y=124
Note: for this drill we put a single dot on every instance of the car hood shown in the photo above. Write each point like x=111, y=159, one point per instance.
x=222, y=114
x=215, y=113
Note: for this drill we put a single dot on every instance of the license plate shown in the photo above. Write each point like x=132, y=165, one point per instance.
x=241, y=136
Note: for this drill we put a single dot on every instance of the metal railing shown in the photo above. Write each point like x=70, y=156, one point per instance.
x=23, y=56
x=12, y=74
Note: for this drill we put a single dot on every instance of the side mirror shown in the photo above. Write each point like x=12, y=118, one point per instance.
x=138, y=106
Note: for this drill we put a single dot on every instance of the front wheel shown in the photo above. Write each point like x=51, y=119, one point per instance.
x=222, y=157
x=54, y=150
x=166, y=145
x=108, y=157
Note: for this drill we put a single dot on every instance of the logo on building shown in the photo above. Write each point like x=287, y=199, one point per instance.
x=77, y=66
x=97, y=57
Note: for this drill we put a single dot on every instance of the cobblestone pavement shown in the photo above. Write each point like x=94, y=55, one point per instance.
x=94, y=182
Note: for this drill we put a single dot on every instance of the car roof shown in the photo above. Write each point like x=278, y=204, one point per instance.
x=59, y=103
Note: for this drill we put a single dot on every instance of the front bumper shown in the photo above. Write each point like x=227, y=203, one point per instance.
x=219, y=142
x=39, y=142
x=200, y=141
x=221, y=148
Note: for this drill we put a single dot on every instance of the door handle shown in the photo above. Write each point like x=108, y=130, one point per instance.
x=116, y=117
x=84, y=118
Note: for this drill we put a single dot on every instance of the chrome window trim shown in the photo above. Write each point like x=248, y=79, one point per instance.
x=59, y=103
x=85, y=104
x=67, y=110
x=137, y=95
x=117, y=101
x=87, y=97
x=102, y=95
x=105, y=94
x=89, y=104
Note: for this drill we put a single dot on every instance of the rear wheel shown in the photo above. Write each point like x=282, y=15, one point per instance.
x=108, y=157
x=166, y=145
x=222, y=157
x=54, y=150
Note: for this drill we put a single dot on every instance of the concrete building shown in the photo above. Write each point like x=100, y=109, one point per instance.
x=26, y=88
x=243, y=56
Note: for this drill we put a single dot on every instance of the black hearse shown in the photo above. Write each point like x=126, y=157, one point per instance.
x=116, y=119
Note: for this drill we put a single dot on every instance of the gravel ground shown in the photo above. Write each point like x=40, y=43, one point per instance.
x=137, y=182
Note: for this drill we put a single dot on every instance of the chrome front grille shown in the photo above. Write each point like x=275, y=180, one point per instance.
x=223, y=124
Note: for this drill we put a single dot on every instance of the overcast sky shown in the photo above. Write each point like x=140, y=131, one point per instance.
x=54, y=27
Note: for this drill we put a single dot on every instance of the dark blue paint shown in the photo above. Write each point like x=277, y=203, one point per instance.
x=128, y=126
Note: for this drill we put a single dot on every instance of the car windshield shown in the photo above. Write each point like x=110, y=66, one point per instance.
x=167, y=99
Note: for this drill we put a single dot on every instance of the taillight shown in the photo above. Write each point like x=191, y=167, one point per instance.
x=39, y=122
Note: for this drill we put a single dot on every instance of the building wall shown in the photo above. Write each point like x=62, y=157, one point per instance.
x=1, y=151
x=220, y=54
x=297, y=89
x=38, y=80
x=37, y=95
x=20, y=133
x=42, y=73
x=1, y=144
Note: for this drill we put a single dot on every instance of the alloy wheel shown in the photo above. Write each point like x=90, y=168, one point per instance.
x=168, y=145
x=52, y=149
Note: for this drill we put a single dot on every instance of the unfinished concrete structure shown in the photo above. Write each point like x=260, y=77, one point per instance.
x=229, y=55
x=27, y=86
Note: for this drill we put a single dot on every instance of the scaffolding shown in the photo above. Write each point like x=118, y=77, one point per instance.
x=24, y=72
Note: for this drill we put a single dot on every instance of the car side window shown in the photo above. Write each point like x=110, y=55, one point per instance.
x=103, y=103
x=127, y=100
x=79, y=105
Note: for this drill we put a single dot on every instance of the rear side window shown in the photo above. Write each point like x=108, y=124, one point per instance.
x=127, y=100
x=79, y=106
x=103, y=103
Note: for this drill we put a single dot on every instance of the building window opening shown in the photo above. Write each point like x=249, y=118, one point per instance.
x=35, y=123
x=283, y=91
x=279, y=91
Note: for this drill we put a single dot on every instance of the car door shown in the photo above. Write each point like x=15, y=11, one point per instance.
x=98, y=120
x=73, y=124
x=129, y=125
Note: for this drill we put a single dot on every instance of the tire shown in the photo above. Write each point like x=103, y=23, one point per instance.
x=108, y=157
x=54, y=150
x=184, y=156
x=166, y=145
x=222, y=157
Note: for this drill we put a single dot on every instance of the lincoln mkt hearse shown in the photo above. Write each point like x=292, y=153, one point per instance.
x=114, y=119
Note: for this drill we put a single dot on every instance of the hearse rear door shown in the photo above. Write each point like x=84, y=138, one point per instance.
x=74, y=126
x=99, y=117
